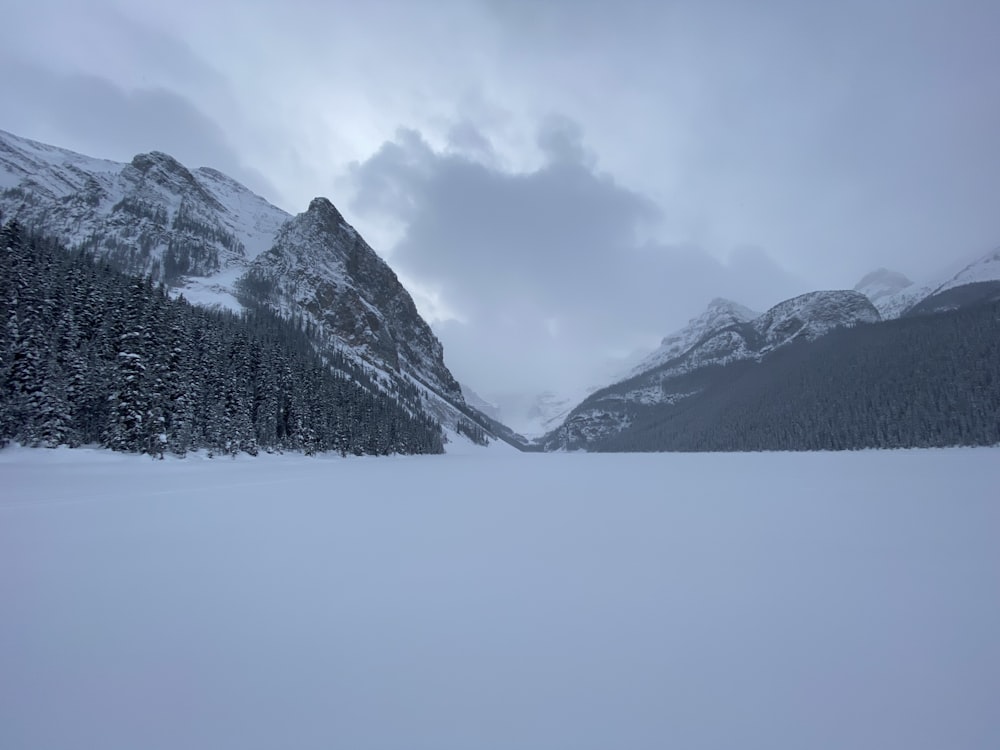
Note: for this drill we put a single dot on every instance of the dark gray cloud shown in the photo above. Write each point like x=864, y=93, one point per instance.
x=546, y=272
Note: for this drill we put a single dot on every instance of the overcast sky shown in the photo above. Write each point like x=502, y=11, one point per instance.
x=558, y=183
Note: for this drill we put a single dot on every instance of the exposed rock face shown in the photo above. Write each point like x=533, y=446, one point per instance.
x=319, y=265
x=162, y=172
x=810, y=316
x=720, y=314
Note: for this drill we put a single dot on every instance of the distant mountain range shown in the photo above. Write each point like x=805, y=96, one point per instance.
x=701, y=375
x=218, y=244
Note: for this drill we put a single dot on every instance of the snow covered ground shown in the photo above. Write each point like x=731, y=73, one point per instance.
x=496, y=600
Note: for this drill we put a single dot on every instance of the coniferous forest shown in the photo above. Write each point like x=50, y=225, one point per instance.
x=89, y=355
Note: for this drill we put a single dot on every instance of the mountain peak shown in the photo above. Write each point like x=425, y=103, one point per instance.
x=721, y=305
x=325, y=210
x=157, y=161
x=319, y=266
x=812, y=315
x=722, y=302
x=720, y=313
x=881, y=275
x=881, y=283
x=163, y=170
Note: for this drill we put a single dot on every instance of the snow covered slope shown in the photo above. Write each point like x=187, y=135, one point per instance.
x=150, y=216
x=986, y=268
x=721, y=313
x=217, y=243
x=728, y=332
x=810, y=316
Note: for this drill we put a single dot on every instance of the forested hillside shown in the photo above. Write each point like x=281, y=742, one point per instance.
x=924, y=381
x=90, y=355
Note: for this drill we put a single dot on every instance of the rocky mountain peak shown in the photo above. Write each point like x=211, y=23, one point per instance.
x=814, y=314
x=721, y=303
x=323, y=209
x=166, y=172
x=721, y=313
x=319, y=266
x=157, y=162
x=883, y=276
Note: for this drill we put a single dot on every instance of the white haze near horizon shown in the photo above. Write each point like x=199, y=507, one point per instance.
x=499, y=600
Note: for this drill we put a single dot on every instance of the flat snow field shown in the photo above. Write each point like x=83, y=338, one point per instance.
x=500, y=601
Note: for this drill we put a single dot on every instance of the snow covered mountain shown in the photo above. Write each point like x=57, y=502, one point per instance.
x=883, y=287
x=217, y=243
x=150, y=216
x=725, y=333
x=683, y=381
x=970, y=282
x=320, y=267
x=982, y=270
x=720, y=314
x=810, y=316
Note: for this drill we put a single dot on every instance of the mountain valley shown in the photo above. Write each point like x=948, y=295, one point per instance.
x=731, y=379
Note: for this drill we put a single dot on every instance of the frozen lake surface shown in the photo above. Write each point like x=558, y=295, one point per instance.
x=495, y=600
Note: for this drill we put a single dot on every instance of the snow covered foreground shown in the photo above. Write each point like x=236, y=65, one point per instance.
x=500, y=600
